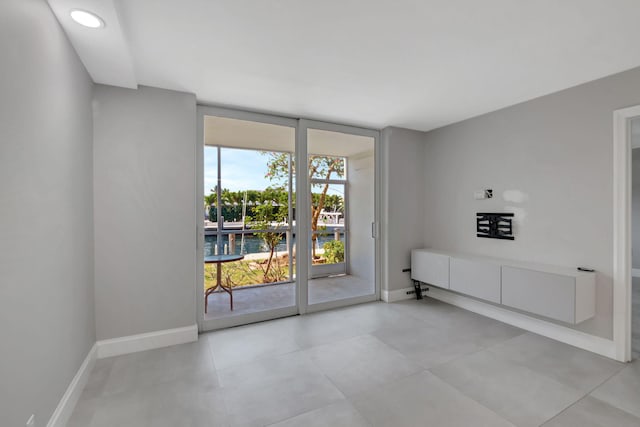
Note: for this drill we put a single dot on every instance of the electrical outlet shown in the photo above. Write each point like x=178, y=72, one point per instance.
x=31, y=422
x=483, y=194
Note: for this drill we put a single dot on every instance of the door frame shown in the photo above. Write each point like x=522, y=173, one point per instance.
x=303, y=199
x=300, y=127
x=622, y=294
x=240, y=319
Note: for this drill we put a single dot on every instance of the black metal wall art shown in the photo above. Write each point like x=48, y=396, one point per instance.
x=494, y=225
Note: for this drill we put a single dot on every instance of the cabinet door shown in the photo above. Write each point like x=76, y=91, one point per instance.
x=476, y=278
x=431, y=268
x=545, y=294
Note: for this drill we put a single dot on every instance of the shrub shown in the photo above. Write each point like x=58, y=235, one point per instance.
x=334, y=251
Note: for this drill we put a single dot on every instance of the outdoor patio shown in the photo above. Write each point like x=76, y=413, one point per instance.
x=269, y=297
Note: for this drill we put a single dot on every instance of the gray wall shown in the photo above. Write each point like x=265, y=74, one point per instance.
x=144, y=193
x=635, y=208
x=46, y=226
x=548, y=160
x=404, y=223
x=361, y=179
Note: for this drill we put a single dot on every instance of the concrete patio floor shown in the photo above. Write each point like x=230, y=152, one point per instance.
x=251, y=300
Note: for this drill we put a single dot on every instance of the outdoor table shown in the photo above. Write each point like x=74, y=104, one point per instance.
x=219, y=259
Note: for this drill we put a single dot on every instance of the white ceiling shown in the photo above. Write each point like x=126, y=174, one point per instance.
x=262, y=136
x=106, y=52
x=418, y=64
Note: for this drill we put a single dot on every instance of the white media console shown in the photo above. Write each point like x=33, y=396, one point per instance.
x=559, y=293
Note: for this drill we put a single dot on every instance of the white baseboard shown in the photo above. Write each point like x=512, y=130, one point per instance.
x=635, y=272
x=601, y=346
x=399, y=294
x=148, y=341
x=63, y=411
x=115, y=347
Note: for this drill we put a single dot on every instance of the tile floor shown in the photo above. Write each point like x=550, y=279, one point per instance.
x=413, y=363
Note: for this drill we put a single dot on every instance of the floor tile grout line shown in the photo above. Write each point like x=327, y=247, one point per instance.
x=481, y=348
x=380, y=385
x=614, y=406
x=536, y=373
x=552, y=377
x=588, y=394
x=210, y=351
x=603, y=382
x=426, y=371
x=298, y=344
x=353, y=397
x=317, y=409
x=474, y=400
x=492, y=347
x=472, y=352
x=565, y=409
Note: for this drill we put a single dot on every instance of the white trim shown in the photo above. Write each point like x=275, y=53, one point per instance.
x=148, y=341
x=247, y=318
x=635, y=272
x=63, y=411
x=622, y=231
x=346, y=302
x=251, y=116
x=199, y=188
x=303, y=218
x=397, y=295
x=382, y=164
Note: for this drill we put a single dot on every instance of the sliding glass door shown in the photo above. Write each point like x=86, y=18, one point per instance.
x=288, y=218
x=341, y=215
x=248, y=250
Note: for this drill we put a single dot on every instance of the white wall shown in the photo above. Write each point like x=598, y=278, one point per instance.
x=144, y=193
x=361, y=176
x=46, y=225
x=548, y=160
x=635, y=208
x=403, y=222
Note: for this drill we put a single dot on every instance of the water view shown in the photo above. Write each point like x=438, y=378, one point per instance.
x=253, y=244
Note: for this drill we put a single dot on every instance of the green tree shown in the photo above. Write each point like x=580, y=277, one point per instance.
x=319, y=167
x=211, y=201
x=232, y=202
x=265, y=213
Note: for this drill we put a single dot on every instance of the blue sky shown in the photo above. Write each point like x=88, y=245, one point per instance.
x=241, y=169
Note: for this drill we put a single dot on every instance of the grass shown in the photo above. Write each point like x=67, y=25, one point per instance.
x=248, y=272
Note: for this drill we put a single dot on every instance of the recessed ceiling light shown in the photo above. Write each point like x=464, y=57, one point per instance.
x=87, y=19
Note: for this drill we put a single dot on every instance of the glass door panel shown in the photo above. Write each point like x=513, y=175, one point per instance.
x=342, y=249
x=249, y=230
x=329, y=241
